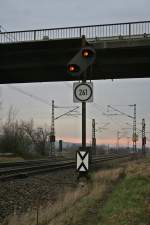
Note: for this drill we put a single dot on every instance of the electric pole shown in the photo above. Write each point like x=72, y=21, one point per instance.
x=134, y=135
x=53, y=118
x=134, y=138
x=52, y=133
x=93, y=137
x=143, y=137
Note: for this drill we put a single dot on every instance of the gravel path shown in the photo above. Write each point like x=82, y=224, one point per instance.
x=19, y=196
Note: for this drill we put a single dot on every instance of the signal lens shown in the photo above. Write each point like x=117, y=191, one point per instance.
x=73, y=68
x=86, y=53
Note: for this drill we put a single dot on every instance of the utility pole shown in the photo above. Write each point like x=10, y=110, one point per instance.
x=134, y=138
x=143, y=137
x=52, y=133
x=93, y=137
x=53, y=118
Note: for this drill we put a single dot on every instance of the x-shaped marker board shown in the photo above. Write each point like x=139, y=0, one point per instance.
x=82, y=161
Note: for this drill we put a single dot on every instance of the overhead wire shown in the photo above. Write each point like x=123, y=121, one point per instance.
x=40, y=99
x=29, y=94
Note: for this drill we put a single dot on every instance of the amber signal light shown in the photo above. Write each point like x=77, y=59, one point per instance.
x=86, y=53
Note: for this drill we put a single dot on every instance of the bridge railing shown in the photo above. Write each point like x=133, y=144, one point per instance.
x=104, y=31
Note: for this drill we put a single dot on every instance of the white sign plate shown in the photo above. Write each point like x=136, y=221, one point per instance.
x=83, y=92
x=82, y=161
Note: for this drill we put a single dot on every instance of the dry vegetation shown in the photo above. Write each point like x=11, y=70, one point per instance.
x=70, y=208
x=107, y=199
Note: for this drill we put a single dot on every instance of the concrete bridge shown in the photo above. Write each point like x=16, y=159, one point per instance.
x=122, y=51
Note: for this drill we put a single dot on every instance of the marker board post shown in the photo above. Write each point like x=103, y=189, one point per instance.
x=83, y=93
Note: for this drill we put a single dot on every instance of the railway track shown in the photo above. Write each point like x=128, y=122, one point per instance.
x=30, y=162
x=19, y=170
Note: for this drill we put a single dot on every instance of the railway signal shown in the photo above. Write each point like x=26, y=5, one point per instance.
x=81, y=61
x=83, y=92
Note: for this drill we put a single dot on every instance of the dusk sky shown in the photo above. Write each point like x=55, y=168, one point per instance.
x=35, y=14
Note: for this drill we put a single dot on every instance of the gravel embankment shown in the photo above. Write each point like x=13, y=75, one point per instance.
x=19, y=196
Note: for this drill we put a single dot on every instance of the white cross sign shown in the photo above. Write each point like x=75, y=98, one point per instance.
x=82, y=161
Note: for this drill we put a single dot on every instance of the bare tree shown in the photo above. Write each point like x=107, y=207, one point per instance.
x=22, y=138
x=39, y=137
x=13, y=138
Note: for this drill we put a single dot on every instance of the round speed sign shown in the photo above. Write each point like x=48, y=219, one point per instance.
x=83, y=92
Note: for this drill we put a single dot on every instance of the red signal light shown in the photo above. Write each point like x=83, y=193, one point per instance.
x=73, y=68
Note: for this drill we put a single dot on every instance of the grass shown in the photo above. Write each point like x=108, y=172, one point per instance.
x=129, y=204
x=117, y=196
x=10, y=159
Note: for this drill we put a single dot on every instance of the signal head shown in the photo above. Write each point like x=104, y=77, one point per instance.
x=81, y=61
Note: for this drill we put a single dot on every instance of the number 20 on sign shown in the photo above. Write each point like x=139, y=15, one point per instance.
x=83, y=92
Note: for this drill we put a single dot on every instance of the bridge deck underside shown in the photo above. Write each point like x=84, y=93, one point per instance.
x=46, y=61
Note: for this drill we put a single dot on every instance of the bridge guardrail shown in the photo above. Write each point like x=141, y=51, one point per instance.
x=104, y=31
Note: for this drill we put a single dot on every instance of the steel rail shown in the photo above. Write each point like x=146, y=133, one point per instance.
x=23, y=172
x=41, y=161
x=31, y=162
x=33, y=167
x=27, y=172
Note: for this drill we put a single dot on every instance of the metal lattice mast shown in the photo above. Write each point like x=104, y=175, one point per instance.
x=93, y=137
x=134, y=129
x=143, y=136
x=52, y=133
